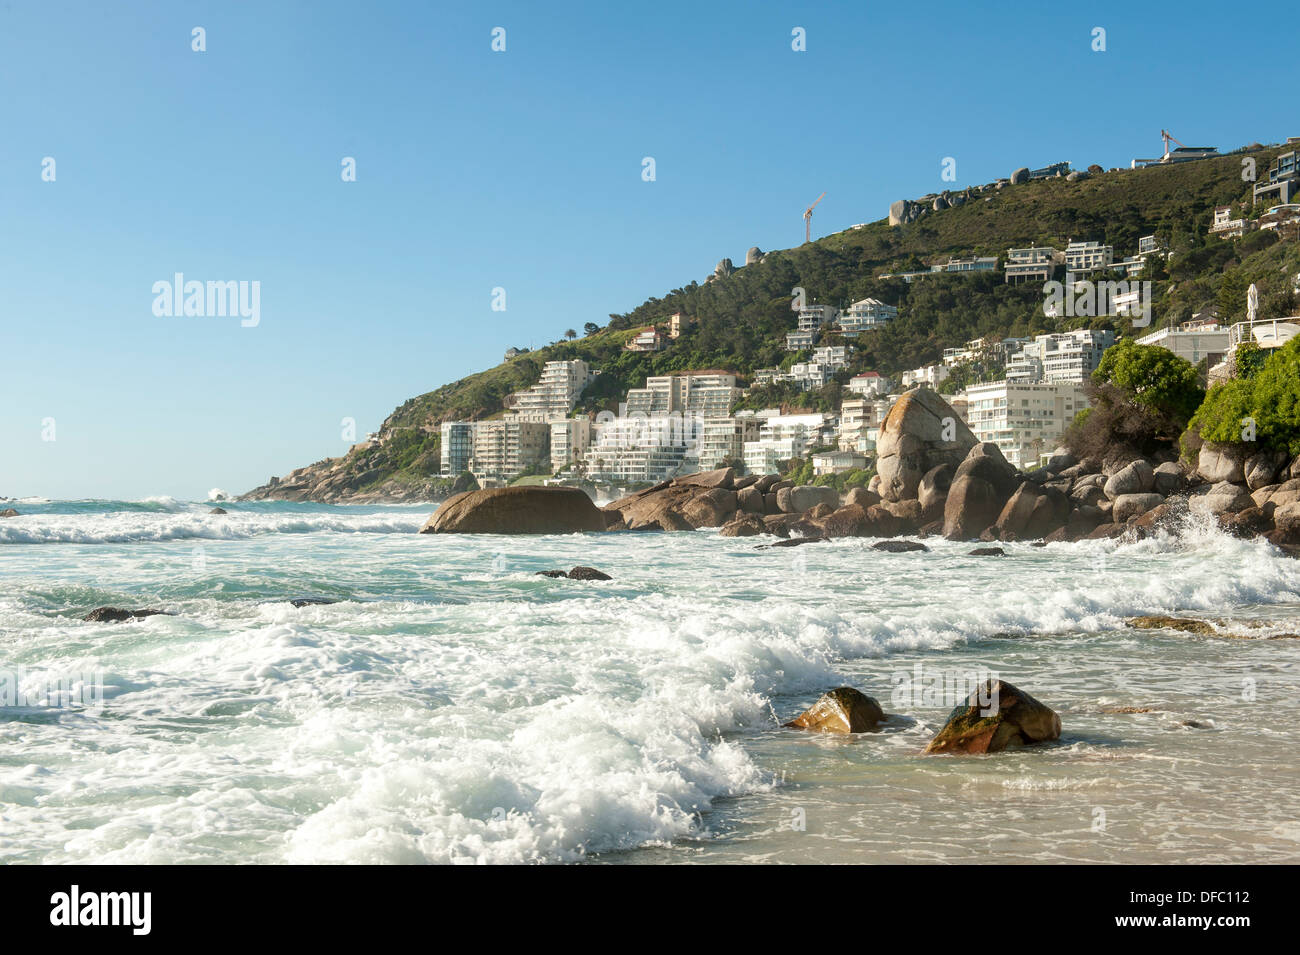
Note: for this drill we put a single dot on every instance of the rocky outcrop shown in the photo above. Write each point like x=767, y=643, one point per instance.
x=1128, y=506
x=1218, y=464
x=920, y=432
x=517, y=510
x=842, y=710
x=577, y=573
x=8, y=512
x=903, y=211
x=117, y=615
x=754, y=256
x=1021, y=175
x=981, y=488
x=995, y=717
x=1136, y=477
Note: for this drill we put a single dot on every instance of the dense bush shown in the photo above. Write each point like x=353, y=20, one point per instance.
x=1270, y=399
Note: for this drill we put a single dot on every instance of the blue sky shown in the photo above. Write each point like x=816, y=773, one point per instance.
x=478, y=169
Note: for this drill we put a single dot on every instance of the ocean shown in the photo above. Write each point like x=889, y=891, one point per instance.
x=454, y=707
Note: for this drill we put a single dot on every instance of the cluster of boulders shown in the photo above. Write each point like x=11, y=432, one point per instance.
x=996, y=716
x=933, y=478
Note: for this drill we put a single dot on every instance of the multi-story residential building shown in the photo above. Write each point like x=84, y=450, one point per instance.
x=700, y=393
x=1283, y=180
x=968, y=263
x=799, y=340
x=835, y=462
x=860, y=421
x=457, y=446
x=1226, y=227
x=570, y=438
x=1065, y=357
x=555, y=395
x=836, y=356
x=1034, y=264
x=505, y=448
x=677, y=324
x=865, y=315
x=1024, y=420
x=723, y=439
x=1280, y=216
x=813, y=317
x=1148, y=245
x=1191, y=341
x=869, y=383
x=928, y=376
x=639, y=449
x=781, y=438
x=648, y=339
x=1081, y=257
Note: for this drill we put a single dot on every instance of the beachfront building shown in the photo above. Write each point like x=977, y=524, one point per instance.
x=866, y=315
x=457, y=446
x=723, y=439
x=1192, y=341
x=555, y=395
x=570, y=438
x=639, y=449
x=505, y=448
x=1033, y=264
x=782, y=437
x=1023, y=419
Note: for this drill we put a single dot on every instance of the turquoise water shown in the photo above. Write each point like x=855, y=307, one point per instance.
x=455, y=707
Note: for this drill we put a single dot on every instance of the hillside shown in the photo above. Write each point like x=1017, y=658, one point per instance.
x=741, y=318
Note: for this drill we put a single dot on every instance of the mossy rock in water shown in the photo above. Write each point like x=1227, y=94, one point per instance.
x=1184, y=624
x=842, y=710
x=996, y=716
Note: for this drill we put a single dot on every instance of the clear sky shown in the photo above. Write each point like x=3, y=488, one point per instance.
x=478, y=169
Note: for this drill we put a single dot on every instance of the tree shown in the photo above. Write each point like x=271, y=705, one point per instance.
x=590, y=328
x=570, y=334
x=1267, y=403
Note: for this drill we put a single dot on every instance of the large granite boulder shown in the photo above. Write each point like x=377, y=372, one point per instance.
x=995, y=717
x=9, y=512
x=1137, y=477
x=933, y=490
x=1168, y=478
x=1218, y=463
x=862, y=497
x=1262, y=468
x=1222, y=498
x=842, y=710
x=920, y=432
x=807, y=496
x=516, y=510
x=710, y=507
x=754, y=255
x=1021, y=175
x=1032, y=512
x=981, y=487
x=750, y=500
x=722, y=477
x=1134, y=505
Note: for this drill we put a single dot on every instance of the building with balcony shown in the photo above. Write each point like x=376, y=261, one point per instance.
x=646, y=340
x=504, y=448
x=1083, y=257
x=836, y=462
x=457, y=446
x=866, y=315
x=555, y=395
x=723, y=439
x=570, y=439
x=1283, y=181
x=1226, y=227
x=1064, y=357
x=1023, y=419
x=928, y=376
x=782, y=437
x=869, y=383
x=1191, y=341
x=1034, y=264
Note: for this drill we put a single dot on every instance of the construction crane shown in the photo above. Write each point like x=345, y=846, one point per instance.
x=807, y=219
x=1168, y=138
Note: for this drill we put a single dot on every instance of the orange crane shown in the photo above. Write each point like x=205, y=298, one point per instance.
x=807, y=219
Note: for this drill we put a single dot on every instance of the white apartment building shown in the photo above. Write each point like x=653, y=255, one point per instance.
x=1191, y=341
x=648, y=339
x=928, y=375
x=701, y=393
x=869, y=383
x=1088, y=256
x=570, y=439
x=506, y=447
x=781, y=438
x=555, y=395
x=1226, y=227
x=798, y=341
x=1024, y=420
x=860, y=421
x=722, y=439
x=834, y=462
x=640, y=449
x=865, y=315
x=1034, y=264
x=1065, y=357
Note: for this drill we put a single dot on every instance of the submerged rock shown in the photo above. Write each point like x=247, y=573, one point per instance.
x=988, y=552
x=898, y=547
x=842, y=710
x=9, y=512
x=116, y=615
x=311, y=601
x=217, y=510
x=995, y=717
x=577, y=573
